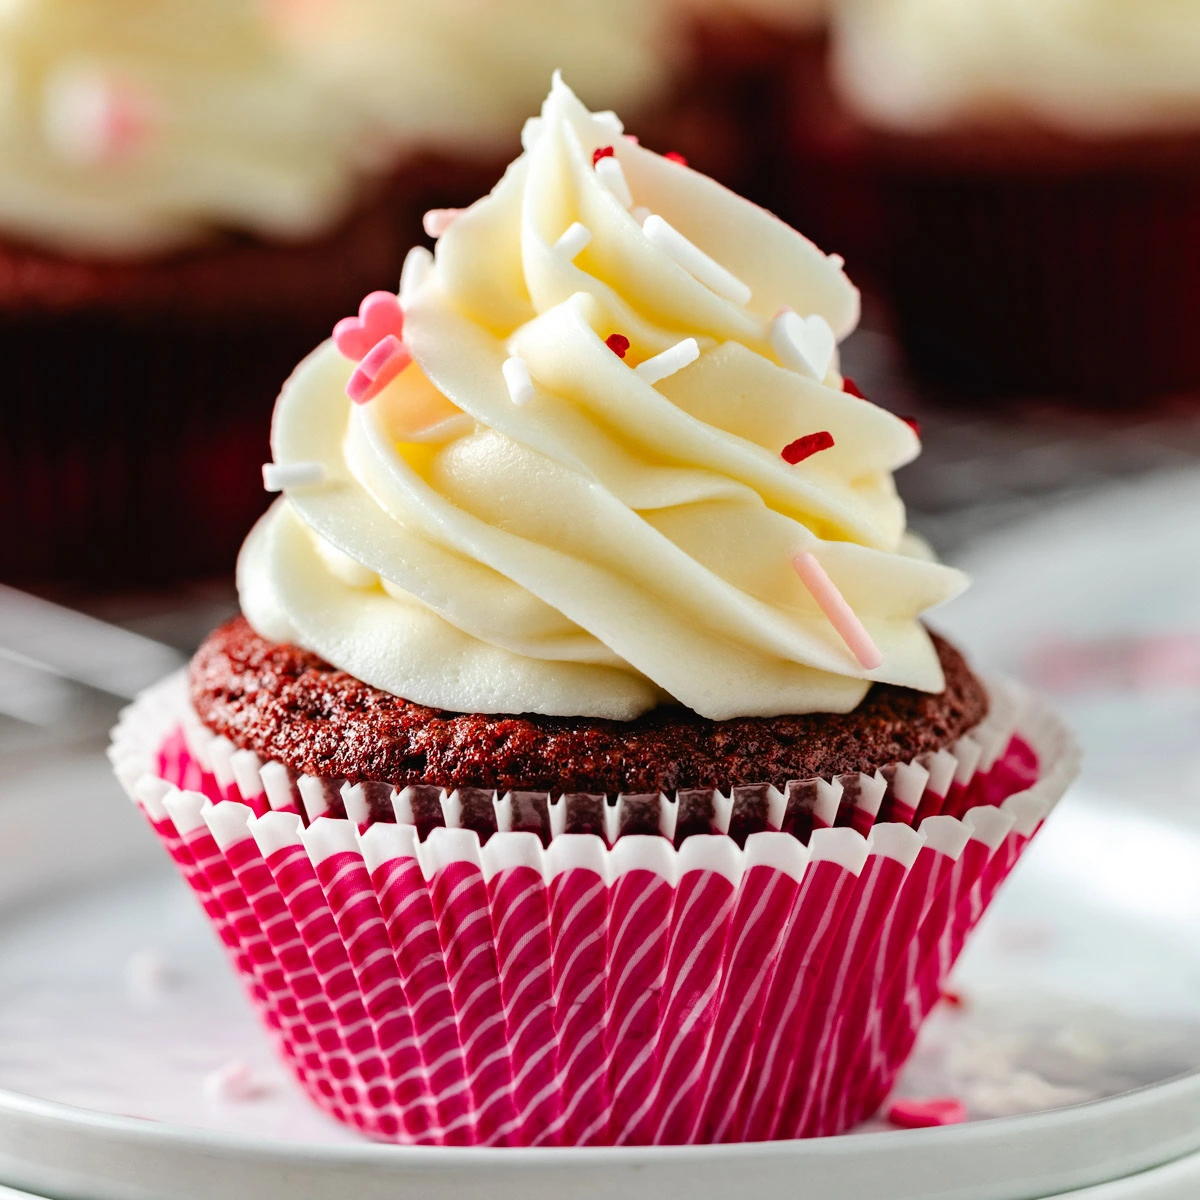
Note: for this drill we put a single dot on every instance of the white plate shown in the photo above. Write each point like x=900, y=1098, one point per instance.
x=103, y=1083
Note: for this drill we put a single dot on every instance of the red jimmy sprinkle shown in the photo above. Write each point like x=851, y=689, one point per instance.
x=675, y=156
x=806, y=446
x=913, y=424
x=603, y=152
x=618, y=343
x=848, y=385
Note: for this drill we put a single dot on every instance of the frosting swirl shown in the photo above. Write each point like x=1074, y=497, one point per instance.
x=135, y=126
x=1089, y=67
x=612, y=543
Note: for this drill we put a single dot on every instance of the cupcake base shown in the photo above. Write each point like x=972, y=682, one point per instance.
x=568, y=988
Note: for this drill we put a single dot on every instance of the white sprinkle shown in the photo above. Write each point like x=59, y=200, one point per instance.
x=279, y=476
x=640, y=213
x=609, y=120
x=669, y=361
x=530, y=132
x=232, y=1082
x=693, y=260
x=148, y=977
x=612, y=176
x=418, y=263
x=837, y=260
x=516, y=376
x=803, y=344
x=574, y=240
x=437, y=220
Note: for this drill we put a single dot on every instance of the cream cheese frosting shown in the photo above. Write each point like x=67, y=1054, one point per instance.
x=610, y=542
x=461, y=75
x=1087, y=67
x=135, y=126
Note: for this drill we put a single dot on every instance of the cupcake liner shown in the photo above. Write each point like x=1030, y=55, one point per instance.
x=467, y=969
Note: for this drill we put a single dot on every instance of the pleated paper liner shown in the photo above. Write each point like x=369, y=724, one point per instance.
x=470, y=969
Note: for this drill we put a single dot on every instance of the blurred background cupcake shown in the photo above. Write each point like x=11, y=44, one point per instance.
x=452, y=83
x=182, y=211
x=1023, y=177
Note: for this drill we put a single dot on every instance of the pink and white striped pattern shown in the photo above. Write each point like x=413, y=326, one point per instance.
x=510, y=993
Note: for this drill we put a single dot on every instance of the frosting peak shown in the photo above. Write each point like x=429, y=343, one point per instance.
x=609, y=523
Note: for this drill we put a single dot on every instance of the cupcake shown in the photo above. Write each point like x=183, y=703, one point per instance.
x=182, y=212
x=1027, y=169
x=580, y=771
x=451, y=83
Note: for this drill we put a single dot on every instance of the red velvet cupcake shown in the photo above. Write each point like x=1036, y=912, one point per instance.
x=581, y=771
x=182, y=212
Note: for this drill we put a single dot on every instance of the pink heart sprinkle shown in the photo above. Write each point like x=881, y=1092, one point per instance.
x=379, y=316
x=378, y=369
x=925, y=1114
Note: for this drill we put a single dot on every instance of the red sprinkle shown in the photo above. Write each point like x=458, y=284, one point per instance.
x=924, y=1114
x=953, y=999
x=618, y=343
x=675, y=156
x=848, y=385
x=913, y=424
x=806, y=446
x=603, y=152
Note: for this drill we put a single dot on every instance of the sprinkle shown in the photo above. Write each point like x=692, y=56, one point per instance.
x=574, y=240
x=148, y=977
x=837, y=260
x=841, y=616
x=234, y=1081
x=378, y=369
x=632, y=137
x=618, y=343
x=693, y=260
x=277, y=477
x=913, y=424
x=925, y=1114
x=613, y=178
x=379, y=315
x=516, y=376
x=437, y=220
x=951, y=998
x=675, y=157
x=602, y=152
x=806, y=446
x=640, y=213
x=803, y=344
x=92, y=117
x=418, y=264
x=848, y=385
x=669, y=361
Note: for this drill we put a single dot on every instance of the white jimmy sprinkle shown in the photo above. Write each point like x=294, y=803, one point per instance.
x=612, y=176
x=418, y=263
x=574, y=240
x=278, y=476
x=232, y=1082
x=693, y=260
x=437, y=220
x=516, y=376
x=803, y=344
x=669, y=361
x=640, y=214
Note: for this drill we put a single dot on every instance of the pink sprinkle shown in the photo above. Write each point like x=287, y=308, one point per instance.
x=99, y=118
x=437, y=220
x=618, y=343
x=806, y=446
x=378, y=369
x=629, y=137
x=841, y=616
x=379, y=316
x=925, y=1114
x=603, y=152
x=676, y=157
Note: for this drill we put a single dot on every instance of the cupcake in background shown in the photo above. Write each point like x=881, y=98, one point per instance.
x=452, y=83
x=182, y=211
x=1031, y=174
x=581, y=770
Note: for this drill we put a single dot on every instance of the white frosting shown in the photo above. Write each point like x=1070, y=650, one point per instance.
x=222, y=129
x=462, y=75
x=612, y=542
x=1089, y=67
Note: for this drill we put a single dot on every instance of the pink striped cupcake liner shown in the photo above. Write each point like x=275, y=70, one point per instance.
x=537, y=970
